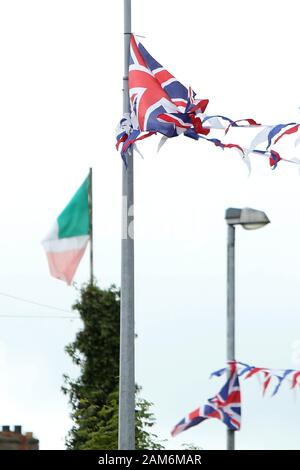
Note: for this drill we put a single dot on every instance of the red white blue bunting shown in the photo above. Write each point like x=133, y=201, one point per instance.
x=160, y=104
x=268, y=377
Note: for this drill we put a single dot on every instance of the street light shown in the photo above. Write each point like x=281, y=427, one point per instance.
x=250, y=219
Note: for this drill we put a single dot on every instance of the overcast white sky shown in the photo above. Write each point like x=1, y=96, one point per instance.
x=61, y=97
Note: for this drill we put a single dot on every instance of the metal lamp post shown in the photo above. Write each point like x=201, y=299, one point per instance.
x=249, y=219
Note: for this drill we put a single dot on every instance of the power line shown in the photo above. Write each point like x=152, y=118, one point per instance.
x=39, y=316
x=21, y=299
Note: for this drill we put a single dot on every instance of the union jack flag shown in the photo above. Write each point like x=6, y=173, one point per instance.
x=159, y=102
x=225, y=406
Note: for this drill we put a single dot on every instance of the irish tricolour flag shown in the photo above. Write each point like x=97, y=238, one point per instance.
x=67, y=240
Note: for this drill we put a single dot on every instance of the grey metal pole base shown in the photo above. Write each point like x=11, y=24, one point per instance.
x=230, y=439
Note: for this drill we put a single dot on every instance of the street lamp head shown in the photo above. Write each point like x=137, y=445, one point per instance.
x=250, y=219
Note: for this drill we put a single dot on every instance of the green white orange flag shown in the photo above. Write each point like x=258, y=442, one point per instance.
x=66, y=242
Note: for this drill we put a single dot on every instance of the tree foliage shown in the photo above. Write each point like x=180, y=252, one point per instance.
x=93, y=396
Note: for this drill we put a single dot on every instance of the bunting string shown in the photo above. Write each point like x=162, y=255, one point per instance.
x=267, y=376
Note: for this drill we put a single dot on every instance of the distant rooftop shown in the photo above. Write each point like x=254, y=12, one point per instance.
x=13, y=439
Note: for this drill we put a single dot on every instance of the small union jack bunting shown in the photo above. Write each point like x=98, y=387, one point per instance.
x=225, y=406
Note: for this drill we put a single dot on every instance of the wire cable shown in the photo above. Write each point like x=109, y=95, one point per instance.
x=21, y=299
x=38, y=316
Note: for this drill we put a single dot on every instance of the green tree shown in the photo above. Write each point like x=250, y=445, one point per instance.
x=93, y=396
x=105, y=434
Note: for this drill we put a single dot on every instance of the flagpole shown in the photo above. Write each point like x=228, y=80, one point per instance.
x=126, y=436
x=91, y=226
